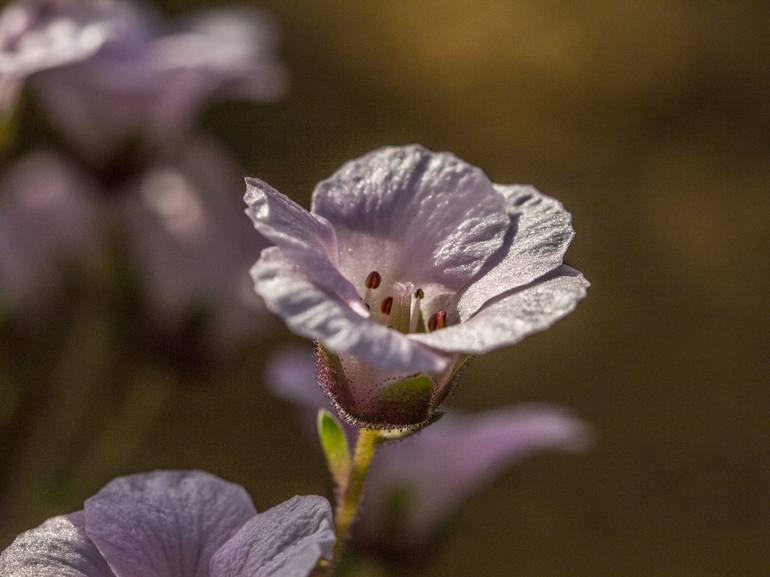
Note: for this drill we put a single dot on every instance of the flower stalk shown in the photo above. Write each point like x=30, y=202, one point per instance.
x=349, y=494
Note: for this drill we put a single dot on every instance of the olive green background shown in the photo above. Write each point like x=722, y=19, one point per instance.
x=649, y=120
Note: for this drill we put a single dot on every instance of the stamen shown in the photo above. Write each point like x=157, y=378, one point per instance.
x=373, y=280
x=414, y=313
x=437, y=321
x=387, y=305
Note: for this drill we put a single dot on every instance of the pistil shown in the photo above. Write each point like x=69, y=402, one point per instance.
x=400, y=316
x=415, y=313
x=401, y=310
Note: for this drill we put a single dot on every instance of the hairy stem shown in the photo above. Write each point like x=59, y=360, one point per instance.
x=350, y=495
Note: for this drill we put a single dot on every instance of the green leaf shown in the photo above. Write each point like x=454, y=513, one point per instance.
x=334, y=443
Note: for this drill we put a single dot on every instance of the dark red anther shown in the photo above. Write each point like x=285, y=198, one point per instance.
x=387, y=305
x=373, y=280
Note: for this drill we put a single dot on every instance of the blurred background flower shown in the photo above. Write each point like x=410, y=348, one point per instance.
x=649, y=121
x=47, y=216
x=37, y=35
x=128, y=104
x=147, y=86
x=415, y=484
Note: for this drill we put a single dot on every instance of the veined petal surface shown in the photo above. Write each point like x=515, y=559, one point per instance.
x=57, y=548
x=413, y=215
x=285, y=541
x=305, y=238
x=513, y=316
x=165, y=523
x=539, y=235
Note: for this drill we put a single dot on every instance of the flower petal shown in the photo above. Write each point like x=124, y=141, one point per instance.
x=311, y=312
x=414, y=215
x=535, y=245
x=292, y=375
x=285, y=541
x=305, y=238
x=165, y=523
x=506, y=321
x=447, y=461
x=57, y=548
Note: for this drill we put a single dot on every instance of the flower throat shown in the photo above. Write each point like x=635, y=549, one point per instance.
x=402, y=310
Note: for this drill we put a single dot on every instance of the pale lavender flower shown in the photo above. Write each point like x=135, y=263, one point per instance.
x=409, y=262
x=48, y=217
x=149, y=88
x=175, y=524
x=416, y=484
x=37, y=35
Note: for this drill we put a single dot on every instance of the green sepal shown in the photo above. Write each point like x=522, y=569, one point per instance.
x=413, y=391
x=334, y=443
x=402, y=403
x=398, y=434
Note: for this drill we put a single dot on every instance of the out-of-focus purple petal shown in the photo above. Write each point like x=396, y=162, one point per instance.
x=291, y=374
x=313, y=313
x=285, y=541
x=306, y=239
x=152, y=90
x=446, y=462
x=57, y=548
x=48, y=214
x=507, y=320
x=165, y=523
x=236, y=47
x=535, y=245
x=193, y=245
x=37, y=35
x=439, y=467
x=412, y=215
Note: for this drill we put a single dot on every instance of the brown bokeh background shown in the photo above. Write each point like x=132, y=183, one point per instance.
x=649, y=120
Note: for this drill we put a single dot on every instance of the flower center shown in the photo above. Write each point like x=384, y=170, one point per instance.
x=400, y=306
